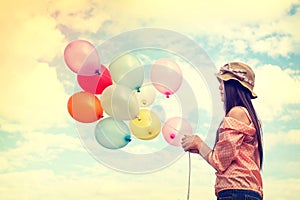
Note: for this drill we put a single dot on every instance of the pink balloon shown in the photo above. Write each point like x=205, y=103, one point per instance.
x=82, y=57
x=95, y=83
x=166, y=76
x=174, y=129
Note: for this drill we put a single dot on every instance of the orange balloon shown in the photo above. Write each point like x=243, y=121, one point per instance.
x=85, y=107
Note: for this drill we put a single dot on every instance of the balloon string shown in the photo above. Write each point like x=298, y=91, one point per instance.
x=189, y=178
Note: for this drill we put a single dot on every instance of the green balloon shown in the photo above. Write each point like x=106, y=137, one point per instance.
x=127, y=70
x=112, y=133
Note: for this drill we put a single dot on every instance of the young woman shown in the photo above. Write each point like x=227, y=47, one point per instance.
x=237, y=154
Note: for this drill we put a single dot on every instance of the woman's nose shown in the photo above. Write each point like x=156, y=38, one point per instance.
x=220, y=87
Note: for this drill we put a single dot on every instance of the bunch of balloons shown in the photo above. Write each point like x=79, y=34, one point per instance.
x=121, y=93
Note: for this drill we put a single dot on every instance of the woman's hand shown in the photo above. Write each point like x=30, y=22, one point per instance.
x=191, y=143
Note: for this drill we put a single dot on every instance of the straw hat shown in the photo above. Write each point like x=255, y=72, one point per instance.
x=240, y=72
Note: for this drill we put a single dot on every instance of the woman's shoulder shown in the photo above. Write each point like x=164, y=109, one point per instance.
x=239, y=113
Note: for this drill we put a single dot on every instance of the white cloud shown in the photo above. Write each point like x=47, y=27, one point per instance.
x=278, y=189
x=97, y=182
x=141, y=148
x=100, y=182
x=275, y=88
x=277, y=36
x=37, y=147
x=198, y=85
x=38, y=39
x=281, y=35
x=32, y=96
x=229, y=20
x=274, y=46
x=30, y=36
x=274, y=140
x=33, y=100
x=290, y=115
x=198, y=12
x=79, y=15
x=264, y=38
x=240, y=46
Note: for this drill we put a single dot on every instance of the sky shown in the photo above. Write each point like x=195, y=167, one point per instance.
x=44, y=153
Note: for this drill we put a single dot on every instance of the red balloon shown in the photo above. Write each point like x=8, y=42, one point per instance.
x=96, y=83
x=85, y=107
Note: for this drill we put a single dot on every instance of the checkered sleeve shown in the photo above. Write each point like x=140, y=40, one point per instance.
x=226, y=149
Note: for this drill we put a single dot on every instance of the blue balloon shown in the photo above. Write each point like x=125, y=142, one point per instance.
x=112, y=133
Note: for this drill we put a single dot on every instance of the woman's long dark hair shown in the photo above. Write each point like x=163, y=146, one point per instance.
x=238, y=95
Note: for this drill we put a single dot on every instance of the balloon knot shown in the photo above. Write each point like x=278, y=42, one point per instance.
x=172, y=135
x=144, y=101
x=167, y=94
x=97, y=71
x=127, y=138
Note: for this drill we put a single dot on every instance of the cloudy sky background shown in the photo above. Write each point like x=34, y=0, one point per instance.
x=41, y=155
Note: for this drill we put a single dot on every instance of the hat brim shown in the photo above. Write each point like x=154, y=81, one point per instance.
x=228, y=76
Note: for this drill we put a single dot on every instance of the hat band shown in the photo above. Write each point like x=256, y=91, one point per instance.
x=238, y=73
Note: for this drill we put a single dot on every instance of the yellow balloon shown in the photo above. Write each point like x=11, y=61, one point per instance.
x=146, y=126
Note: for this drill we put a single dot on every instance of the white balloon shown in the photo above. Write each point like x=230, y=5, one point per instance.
x=127, y=70
x=120, y=102
x=147, y=95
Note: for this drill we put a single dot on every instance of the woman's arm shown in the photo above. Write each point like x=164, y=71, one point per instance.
x=230, y=138
x=194, y=144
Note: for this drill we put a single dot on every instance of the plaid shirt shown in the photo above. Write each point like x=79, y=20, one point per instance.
x=236, y=157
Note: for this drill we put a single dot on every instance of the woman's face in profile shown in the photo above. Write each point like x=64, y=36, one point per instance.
x=221, y=88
